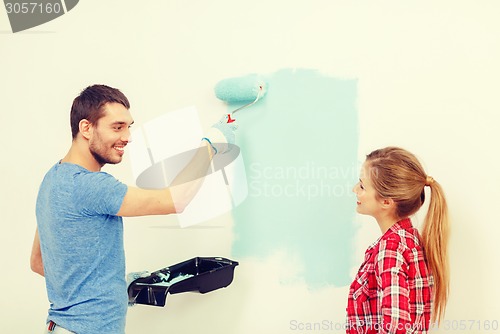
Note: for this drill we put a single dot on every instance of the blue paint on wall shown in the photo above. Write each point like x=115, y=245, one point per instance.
x=300, y=147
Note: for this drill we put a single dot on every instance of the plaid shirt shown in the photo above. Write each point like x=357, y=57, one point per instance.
x=392, y=292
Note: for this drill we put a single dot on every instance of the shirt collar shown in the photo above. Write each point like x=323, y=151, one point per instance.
x=403, y=224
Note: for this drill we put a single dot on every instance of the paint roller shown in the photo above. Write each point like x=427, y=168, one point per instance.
x=248, y=89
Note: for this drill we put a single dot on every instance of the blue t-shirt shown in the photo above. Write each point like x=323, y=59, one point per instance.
x=81, y=240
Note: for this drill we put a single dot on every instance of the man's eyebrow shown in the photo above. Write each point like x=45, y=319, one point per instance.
x=121, y=123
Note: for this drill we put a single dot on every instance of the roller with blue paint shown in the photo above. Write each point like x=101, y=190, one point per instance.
x=247, y=89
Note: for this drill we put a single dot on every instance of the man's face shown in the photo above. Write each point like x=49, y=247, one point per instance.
x=111, y=134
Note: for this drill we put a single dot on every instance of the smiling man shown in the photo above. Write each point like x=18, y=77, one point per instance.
x=100, y=122
x=78, y=245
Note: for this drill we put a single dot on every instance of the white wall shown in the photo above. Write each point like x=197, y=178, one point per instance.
x=428, y=78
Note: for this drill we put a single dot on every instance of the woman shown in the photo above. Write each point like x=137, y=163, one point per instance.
x=403, y=283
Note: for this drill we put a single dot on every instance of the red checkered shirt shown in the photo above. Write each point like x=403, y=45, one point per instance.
x=392, y=292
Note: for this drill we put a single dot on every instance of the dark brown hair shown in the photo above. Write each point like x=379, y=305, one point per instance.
x=90, y=103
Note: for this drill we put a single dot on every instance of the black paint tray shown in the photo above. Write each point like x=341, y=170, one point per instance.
x=200, y=274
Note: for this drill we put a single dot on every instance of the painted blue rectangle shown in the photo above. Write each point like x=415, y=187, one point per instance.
x=300, y=147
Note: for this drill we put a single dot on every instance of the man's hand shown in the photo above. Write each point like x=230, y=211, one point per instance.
x=221, y=134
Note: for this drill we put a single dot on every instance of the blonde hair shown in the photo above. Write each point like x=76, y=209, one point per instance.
x=397, y=174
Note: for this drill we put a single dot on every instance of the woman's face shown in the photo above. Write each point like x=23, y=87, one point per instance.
x=368, y=203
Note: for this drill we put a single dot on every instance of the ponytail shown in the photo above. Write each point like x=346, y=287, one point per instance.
x=435, y=236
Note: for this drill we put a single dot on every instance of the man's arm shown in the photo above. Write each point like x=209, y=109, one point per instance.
x=36, y=256
x=175, y=198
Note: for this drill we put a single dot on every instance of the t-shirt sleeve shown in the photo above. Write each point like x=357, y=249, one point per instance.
x=98, y=193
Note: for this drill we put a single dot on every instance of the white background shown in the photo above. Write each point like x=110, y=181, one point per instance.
x=428, y=81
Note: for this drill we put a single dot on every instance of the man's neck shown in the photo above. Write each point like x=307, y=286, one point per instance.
x=79, y=154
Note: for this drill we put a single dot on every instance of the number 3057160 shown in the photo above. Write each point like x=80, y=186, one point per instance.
x=469, y=325
x=33, y=8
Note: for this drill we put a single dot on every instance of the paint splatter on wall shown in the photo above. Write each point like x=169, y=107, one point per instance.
x=300, y=148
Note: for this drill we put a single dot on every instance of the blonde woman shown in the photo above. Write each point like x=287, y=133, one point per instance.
x=402, y=285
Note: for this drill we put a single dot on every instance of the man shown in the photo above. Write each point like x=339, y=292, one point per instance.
x=78, y=245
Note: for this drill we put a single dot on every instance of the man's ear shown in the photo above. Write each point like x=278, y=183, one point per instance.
x=85, y=128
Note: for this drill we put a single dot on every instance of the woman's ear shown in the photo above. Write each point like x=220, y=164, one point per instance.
x=85, y=128
x=388, y=203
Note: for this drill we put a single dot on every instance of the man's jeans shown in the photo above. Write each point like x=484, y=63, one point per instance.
x=57, y=330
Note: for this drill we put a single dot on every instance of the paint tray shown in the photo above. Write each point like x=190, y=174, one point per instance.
x=200, y=274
